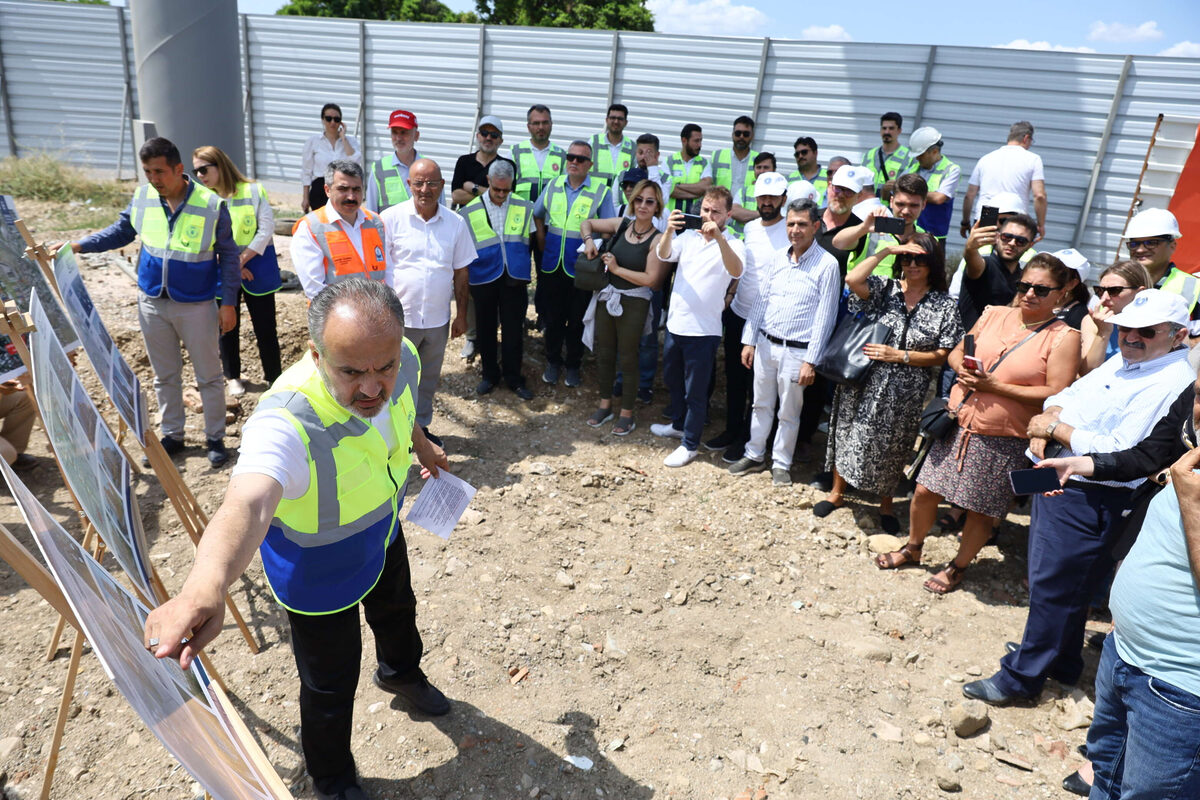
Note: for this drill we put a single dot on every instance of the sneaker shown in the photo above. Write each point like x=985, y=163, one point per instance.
x=573, y=378
x=172, y=445
x=724, y=440
x=523, y=392
x=667, y=430
x=680, y=457
x=645, y=396
x=745, y=465
x=418, y=692
x=468, y=351
x=435, y=439
x=781, y=476
x=550, y=375
x=485, y=387
x=23, y=462
x=234, y=387
x=733, y=454
x=217, y=454
x=822, y=481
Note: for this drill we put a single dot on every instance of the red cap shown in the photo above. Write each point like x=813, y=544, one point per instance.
x=402, y=119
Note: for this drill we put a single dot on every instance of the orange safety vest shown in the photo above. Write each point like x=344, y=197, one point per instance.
x=342, y=260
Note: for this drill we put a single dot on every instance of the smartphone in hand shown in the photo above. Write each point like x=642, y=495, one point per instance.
x=988, y=216
x=692, y=222
x=1034, y=481
x=972, y=363
x=892, y=225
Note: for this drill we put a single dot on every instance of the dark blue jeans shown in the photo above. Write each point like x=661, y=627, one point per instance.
x=687, y=371
x=1144, y=742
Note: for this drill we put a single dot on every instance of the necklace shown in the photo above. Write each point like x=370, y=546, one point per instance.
x=1028, y=325
x=641, y=234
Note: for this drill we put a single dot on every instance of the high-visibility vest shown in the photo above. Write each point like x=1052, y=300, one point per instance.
x=532, y=179
x=325, y=550
x=935, y=218
x=265, y=265
x=390, y=185
x=603, y=166
x=722, y=172
x=342, y=261
x=820, y=183
x=874, y=244
x=893, y=166
x=986, y=250
x=1183, y=284
x=179, y=260
x=685, y=172
x=493, y=247
x=563, y=223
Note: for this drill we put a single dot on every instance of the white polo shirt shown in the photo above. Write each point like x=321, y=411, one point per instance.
x=698, y=297
x=422, y=258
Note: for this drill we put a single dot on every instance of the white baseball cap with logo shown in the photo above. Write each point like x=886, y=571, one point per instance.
x=1153, y=222
x=802, y=190
x=1151, y=307
x=853, y=178
x=1075, y=260
x=770, y=184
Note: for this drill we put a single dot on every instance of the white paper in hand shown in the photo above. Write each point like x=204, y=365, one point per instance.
x=441, y=503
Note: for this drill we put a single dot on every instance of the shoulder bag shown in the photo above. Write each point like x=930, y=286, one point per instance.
x=590, y=273
x=844, y=361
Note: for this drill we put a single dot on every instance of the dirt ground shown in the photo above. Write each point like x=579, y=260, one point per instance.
x=690, y=634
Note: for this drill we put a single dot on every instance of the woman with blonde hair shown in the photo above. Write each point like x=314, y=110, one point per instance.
x=253, y=231
x=1117, y=287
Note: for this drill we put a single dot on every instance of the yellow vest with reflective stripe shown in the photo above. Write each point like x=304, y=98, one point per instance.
x=532, y=179
x=603, y=166
x=1183, y=284
x=492, y=247
x=722, y=172
x=563, y=223
x=893, y=166
x=390, y=185
x=685, y=172
x=178, y=259
x=241, y=211
x=325, y=550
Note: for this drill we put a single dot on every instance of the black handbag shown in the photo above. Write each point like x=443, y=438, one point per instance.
x=590, y=273
x=844, y=361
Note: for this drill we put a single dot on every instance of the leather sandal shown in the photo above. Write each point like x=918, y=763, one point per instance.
x=908, y=554
x=954, y=576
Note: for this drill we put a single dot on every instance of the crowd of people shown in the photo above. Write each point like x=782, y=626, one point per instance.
x=1007, y=359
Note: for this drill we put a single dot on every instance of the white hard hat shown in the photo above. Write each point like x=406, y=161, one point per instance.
x=1007, y=203
x=922, y=139
x=1153, y=222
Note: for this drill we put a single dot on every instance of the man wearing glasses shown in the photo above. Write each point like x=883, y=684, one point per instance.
x=559, y=213
x=991, y=280
x=429, y=248
x=808, y=169
x=733, y=167
x=612, y=151
x=1150, y=237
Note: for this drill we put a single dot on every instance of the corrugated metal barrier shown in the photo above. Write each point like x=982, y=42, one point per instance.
x=66, y=89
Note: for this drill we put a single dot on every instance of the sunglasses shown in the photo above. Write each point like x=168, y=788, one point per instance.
x=803, y=151
x=1144, y=333
x=1149, y=244
x=200, y=172
x=1111, y=291
x=612, y=118
x=742, y=134
x=645, y=201
x=1023, y=287
x=920, y=261
x=332, y=119
x=491, y=134
x=577, y=158
x=425, y=184
x=1014, y=238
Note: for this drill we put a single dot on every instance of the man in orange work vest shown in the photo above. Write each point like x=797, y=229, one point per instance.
x=341, y=239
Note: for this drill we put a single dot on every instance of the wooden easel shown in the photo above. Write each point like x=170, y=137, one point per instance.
x=187, y=508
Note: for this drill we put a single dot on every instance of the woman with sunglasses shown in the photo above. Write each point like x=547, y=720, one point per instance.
x=253, y=231
x=873, y=424
x=1118, y=285
x=332, y=143
x=619, y=311
x=993, y=406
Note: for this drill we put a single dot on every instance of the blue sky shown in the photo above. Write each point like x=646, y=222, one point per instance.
x=1150, y=27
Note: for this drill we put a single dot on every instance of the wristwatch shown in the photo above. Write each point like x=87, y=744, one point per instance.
x=905, y=356
x=1050, y=430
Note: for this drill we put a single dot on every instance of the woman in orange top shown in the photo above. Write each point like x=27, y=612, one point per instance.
x=970, y=468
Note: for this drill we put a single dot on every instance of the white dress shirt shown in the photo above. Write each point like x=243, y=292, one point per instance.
x=308, y=261
x=763, y=243
x=318, y=152
x=797, y=300
x=423, y=256
x=698, y=297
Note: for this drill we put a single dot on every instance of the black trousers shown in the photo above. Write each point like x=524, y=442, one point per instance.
x=563, y=307
x=328, y=651
x=316, y=193
x=816, y=395
x=262, y=319
x=502, y=301
x=739, y=381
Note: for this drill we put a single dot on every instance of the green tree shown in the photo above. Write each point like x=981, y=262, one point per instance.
x=624, y=15
x=400, y=10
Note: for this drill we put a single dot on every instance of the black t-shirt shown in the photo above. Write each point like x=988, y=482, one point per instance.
x=997, y=286
x=825, y=239
x=468, y=168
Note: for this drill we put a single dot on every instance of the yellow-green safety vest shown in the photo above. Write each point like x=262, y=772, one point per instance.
x=893, y=166
x=1183, y=284
x=178, y=260
x=603, y=166
x=390, y=185
x=493, y=248
x=531, y=179
x=563, y=224
x=243, y=205
x=685, y=172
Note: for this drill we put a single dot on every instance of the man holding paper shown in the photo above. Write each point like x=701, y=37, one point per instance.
x=315, y=488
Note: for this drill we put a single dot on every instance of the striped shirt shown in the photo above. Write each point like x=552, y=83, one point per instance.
x=1116, y=405
x=797, y=300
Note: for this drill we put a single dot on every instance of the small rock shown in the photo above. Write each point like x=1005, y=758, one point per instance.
x=589, y=480
x=947, y=781
x=922, y=739
x=955, y=763
x=616, y=744
x=541, y=468
x=133, y=740
x=889, y=732
x=375, y=708
x=564, y=580
x=9, y=745
x=975, y=670
x=984, y=742
x=454, y=565
x=884, y=543
x=680, y=598
x=470, y=516
x=871, y=649
x=579, y=762
x=1015, y=761
x=968, y=717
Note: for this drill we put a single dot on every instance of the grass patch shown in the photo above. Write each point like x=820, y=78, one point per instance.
x=43, y=177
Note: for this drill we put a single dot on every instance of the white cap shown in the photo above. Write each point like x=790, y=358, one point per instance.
x=853, y=178
x=1075, y=260
x=1153, y=222
x=922, y=139
x=802, y=190
x=770, y=184
x=1150, y=307
x=493, y=120
x=1007, y=203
